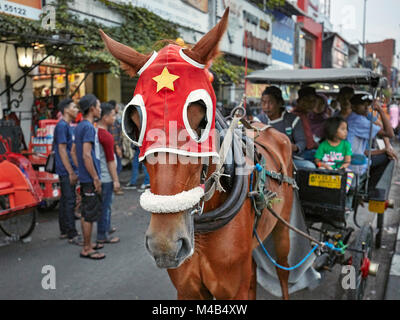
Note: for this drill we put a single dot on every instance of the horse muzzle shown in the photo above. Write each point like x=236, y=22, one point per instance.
x=169, y=254
x=170, y=236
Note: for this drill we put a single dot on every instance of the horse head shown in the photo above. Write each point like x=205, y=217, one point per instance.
x=172, y=119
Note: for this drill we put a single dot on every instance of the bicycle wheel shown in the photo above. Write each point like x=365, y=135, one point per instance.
x=19, y=226
x=360, y=261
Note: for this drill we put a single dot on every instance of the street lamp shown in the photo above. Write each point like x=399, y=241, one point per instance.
x=25, y=57
x=365, y=19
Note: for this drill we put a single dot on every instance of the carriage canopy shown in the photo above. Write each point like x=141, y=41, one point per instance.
x=310, y=76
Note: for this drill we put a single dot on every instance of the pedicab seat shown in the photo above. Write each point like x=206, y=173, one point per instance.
x=358, y=159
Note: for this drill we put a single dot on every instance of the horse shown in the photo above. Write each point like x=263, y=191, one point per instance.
x=201, y=265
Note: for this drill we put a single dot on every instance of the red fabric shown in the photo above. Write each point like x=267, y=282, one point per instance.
x=311, y=144
x=107, y=141
x=164, y=108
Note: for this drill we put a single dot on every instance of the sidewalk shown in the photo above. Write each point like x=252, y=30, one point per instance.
x=393, y=282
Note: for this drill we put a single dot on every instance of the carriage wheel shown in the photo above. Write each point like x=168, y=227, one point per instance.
x=360, y=261
x=19, y=226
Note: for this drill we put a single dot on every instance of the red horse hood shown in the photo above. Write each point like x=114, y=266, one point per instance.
x=168, y=83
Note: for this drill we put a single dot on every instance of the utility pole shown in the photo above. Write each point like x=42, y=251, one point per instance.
x=365, y=18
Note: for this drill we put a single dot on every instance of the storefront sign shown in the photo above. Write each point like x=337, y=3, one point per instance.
x=283, y=39
x=202, y=5
x=181, y=13
x=260, y=45
x=264, y=25
x=341, y=46
x=247, y=25
x=30, y=9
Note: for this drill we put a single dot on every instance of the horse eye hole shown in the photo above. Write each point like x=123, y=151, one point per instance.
x=133, y=122
x=197, y=116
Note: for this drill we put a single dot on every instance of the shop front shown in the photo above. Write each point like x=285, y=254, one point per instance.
x=248, y=43
x=310, y=36
x=335, y=51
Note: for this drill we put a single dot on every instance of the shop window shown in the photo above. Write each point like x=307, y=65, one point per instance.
x=309, y=53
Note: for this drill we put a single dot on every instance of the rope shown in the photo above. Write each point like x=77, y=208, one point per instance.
x=278, y=265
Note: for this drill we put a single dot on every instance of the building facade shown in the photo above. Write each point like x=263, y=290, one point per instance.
x=384, y=51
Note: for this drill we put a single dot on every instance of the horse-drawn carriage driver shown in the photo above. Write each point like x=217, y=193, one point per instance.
x=358, y=136
x=274, y=114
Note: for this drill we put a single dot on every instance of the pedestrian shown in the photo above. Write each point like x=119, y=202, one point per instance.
x=66, y=168
x=109, y=176
x=87, y=151
x=394, y=115
x=135, y=171
x=116, y=130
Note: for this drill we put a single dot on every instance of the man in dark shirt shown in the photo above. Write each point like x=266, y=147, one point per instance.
x=88, y=155
x=274, y=114
x=66, y=168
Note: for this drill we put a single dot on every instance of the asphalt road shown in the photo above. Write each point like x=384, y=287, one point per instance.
x=128, y=272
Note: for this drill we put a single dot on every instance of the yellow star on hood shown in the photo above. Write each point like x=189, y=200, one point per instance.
x=165, y=80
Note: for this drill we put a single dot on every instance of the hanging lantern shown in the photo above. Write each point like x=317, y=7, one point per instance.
x=25, y=57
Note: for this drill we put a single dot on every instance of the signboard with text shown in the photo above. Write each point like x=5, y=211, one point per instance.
x=283, y=40
x=178, y=12
x=248, y=27
x=30, y=9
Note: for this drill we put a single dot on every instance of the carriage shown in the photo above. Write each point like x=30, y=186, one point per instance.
x=20, y=193
x=323, y=194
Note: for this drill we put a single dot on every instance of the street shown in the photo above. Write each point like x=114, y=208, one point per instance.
x=128, y=272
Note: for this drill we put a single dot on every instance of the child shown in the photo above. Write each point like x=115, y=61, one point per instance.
x=335, y=151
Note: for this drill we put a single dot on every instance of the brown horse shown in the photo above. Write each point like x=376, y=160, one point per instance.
x=219, y=263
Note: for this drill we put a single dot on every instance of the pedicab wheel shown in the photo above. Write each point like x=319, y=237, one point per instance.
x=19, y=226
x=360, y=261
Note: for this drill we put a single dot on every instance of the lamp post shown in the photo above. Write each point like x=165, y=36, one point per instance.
x=25, y=62
x=365, y=18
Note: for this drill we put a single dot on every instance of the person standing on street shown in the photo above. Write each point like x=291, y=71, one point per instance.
x=135, y=171
x=87, y=150
x=109, y=176
x=66, y=168
x=116, y=130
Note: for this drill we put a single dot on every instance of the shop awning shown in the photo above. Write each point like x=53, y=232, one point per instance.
x=309, y=76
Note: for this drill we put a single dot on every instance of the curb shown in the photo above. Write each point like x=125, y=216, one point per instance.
x=393, y=281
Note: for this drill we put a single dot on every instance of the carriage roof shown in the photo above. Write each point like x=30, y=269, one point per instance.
x=310, y=76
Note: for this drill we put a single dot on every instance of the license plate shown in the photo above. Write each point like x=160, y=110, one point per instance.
x=325, y=181
x=376, y=206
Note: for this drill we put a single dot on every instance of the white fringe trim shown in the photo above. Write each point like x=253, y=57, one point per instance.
x=170, y=204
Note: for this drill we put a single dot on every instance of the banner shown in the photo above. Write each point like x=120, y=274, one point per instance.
x=30, y=9
x=202, y=5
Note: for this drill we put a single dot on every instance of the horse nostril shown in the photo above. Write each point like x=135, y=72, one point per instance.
x=183, y=248
x=146, y=241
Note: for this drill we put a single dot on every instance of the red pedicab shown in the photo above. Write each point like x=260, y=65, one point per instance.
x=20, y=193
x=40, y=147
